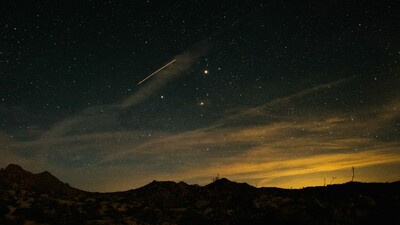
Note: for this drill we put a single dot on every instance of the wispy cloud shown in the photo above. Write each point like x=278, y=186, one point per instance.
x=105, y=118
x=262, y=110
x=270, y=153
x=182, y=64
x=285, y=151
x=273, y=170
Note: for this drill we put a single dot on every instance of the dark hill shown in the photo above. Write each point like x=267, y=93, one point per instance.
x=43, y=199
x=16, y=177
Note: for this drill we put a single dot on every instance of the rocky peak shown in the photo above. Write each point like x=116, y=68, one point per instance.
x=43, y=182
x=14, y=168
x=14, y=173
x=225, y=184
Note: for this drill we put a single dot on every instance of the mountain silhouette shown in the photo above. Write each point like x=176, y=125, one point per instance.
x=43, y=182
x=43, y=199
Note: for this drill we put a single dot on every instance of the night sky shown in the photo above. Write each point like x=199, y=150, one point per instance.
x=273, y=93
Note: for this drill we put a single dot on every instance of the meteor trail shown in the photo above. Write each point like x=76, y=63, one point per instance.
x=157, y=71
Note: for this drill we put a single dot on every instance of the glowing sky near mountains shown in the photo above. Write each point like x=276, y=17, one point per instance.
x=283, y=94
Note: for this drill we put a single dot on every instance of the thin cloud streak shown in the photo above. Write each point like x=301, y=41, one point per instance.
x=182, y=63
x=258, y=110
x=107, y=114
x=264, y=154
x=279, y=169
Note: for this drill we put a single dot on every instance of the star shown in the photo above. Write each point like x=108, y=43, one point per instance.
x=264, y=82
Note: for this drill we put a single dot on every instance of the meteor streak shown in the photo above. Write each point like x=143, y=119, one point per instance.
x=157, y=71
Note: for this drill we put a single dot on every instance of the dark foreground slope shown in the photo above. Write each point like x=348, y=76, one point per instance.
x=27, y=198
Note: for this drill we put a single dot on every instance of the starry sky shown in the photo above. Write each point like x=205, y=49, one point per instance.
x=272, y=93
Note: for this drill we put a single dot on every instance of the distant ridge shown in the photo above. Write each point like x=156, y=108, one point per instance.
x=27, y=198
x=43, y=182
x=225, y=184
x=46, y=182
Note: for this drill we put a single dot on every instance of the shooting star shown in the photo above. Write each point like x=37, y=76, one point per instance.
x=155, y=72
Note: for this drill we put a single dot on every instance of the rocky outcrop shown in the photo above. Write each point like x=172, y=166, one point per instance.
x=44, y=182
